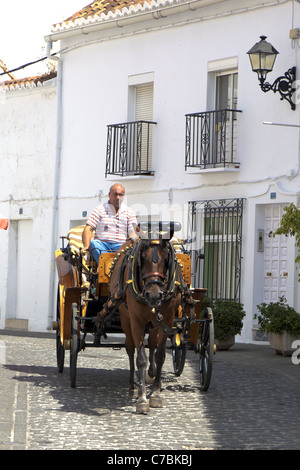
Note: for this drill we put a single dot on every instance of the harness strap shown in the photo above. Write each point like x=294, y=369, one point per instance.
x=160, y=320
x=153, y=274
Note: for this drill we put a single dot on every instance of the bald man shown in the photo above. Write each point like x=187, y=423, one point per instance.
x=112, y=222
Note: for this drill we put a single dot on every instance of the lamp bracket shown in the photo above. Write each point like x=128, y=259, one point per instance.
x=284, y=85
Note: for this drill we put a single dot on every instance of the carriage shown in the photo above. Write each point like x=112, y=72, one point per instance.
x=88, y=311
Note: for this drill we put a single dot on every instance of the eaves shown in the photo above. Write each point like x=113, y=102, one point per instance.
x=156, y=10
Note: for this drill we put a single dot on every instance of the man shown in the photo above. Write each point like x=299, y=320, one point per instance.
x=112, y=223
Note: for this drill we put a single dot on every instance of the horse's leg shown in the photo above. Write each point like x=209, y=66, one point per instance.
x=152, y=340
x=160, y=355
x=142, y=405
x=130, y=349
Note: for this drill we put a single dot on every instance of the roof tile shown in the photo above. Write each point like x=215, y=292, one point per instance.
x=28, y=82
x=103, y=9
x=104, y=6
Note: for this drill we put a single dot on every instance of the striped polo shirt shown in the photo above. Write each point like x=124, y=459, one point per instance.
x=110, y=226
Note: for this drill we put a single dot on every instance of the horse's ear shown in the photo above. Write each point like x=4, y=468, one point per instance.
x=165, y=243
x=171, y=232
x=171, y=255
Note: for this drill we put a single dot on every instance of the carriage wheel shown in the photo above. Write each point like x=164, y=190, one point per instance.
x=60, y=350
x=74, y=345
x=178, y=354
x=206, y=350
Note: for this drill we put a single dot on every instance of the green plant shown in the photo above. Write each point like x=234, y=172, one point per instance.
x=277, y=317
x=228, y=318
x=290, y=225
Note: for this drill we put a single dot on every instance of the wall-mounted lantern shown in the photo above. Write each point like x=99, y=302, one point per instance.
x=262, y=57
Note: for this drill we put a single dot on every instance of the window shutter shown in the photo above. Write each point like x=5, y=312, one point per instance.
x=144, y=102
x=144, y=112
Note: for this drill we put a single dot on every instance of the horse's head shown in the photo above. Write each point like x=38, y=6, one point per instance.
x=154, y=270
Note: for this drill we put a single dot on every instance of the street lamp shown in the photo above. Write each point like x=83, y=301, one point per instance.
x=262, y=57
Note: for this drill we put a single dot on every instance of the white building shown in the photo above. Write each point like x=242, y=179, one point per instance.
x=27, y=161
x=165, y=70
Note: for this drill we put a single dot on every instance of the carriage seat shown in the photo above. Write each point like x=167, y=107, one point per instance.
x=75, y=241
x=105, y=260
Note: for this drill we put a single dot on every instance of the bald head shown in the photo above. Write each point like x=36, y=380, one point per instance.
x=116, y=195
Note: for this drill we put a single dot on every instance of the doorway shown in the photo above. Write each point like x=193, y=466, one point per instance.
x=275, y=267
x=19, y=281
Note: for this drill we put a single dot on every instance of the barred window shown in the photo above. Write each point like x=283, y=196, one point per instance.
x=215, y=231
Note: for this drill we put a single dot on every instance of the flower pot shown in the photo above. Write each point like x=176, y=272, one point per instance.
x=223, y=345
x=282, y=343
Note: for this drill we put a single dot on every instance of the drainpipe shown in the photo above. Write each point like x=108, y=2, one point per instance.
x=54, y=231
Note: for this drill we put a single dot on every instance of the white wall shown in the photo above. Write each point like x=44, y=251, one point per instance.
x=27, y=156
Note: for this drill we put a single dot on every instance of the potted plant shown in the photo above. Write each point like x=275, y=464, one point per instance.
x=282, y=322
x=228, y=322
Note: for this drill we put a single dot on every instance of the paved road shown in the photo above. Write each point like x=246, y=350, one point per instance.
x=253, y=401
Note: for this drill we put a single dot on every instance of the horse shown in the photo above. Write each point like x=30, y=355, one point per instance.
x=147, y=286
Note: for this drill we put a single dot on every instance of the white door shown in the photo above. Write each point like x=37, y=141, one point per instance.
x=275, y=255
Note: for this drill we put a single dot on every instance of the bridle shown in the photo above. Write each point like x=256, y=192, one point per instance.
x=154, y=274
x=171, y=283
x=152, y=281
x=168, y=283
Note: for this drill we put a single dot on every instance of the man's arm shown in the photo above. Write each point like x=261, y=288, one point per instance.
x=87, y=236
x=133, y=232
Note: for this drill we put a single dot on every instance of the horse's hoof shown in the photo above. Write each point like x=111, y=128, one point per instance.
x=156, y=401
x=149, y=379
x=143, y=407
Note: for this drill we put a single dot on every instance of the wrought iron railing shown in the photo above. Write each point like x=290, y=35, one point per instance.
x=129, y=148
x=211, y=139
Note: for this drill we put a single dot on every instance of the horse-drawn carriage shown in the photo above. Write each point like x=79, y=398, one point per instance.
x=142, y=290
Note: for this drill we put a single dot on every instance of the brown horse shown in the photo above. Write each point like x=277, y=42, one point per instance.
x=147, y=286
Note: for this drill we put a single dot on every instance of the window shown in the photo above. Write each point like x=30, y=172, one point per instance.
x=144, y=114
x=226, y=90
x=226, y=99
x=215, y=228
x=211, y=136
x=129, y=144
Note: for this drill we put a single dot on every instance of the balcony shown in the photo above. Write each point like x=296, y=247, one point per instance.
x=129, y=149
x=211, y=139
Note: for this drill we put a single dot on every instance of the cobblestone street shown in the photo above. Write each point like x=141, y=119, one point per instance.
x=253, y=401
